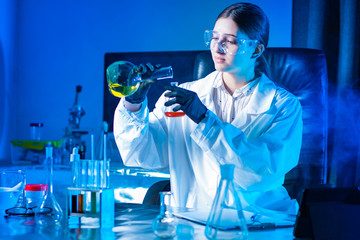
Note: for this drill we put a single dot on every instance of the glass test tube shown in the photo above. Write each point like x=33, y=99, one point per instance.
x=169, y=110
x=74, y=203
x=81, y=203
x=90, y=173
x=93, y=202
x=84, y=172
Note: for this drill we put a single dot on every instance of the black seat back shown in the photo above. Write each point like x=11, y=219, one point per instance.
x=303, y=72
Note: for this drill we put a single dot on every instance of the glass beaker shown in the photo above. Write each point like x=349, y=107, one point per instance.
x=169, y=110
x=226, y=219
x=164, y=225
x=49, y=212
x=124, y=78
x=12, y=184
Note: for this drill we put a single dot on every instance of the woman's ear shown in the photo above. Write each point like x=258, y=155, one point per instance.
x=258, y=51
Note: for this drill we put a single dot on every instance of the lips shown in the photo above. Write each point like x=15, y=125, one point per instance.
x=219, y=59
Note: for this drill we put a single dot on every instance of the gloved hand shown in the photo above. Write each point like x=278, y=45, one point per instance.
x=188, y=101
x=146, y=71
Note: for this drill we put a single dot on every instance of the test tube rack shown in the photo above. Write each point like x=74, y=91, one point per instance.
x=85, y=203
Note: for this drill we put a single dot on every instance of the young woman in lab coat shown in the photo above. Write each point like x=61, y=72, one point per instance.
x=234, y=115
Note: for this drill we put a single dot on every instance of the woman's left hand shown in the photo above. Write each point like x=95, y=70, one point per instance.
x=188, y=101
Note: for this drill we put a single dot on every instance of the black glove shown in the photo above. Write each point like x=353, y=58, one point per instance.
x=146, y=72
x=188, y=101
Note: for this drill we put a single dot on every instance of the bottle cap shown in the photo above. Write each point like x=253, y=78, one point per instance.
x=34, y=187
x=227, y=171
x=75, y=156
x=36, y=124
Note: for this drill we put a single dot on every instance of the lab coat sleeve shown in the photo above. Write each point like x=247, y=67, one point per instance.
x=262, y=162
x=141, y=138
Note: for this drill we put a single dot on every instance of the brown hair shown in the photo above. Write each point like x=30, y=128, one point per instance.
x=250, y=19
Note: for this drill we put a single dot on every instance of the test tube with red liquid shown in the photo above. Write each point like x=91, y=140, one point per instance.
x=169, y=110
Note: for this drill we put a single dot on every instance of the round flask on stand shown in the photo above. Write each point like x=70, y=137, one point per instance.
x=124, y=77
x=164, y=225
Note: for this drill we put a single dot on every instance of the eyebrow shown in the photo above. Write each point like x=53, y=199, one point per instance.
x=232, y=35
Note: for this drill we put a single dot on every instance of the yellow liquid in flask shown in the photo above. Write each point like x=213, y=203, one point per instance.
x=122, y=91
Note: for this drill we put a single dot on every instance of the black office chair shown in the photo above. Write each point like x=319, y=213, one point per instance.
x=152, y=195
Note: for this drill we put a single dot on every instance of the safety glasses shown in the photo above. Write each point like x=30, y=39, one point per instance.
x=228, y=44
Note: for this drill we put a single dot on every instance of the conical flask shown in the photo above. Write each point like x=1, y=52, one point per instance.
x=49, y=212
x=226, y=219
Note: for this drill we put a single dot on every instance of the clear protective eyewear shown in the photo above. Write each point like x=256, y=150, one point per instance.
x=21, y=211
x=228, y=43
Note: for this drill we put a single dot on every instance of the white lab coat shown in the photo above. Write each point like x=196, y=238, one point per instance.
x=263, y=142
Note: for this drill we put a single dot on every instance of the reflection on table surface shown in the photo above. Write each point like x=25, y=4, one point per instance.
x=132, y=221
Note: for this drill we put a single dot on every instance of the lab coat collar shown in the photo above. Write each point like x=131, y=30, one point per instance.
x=262, y=97
x=245, y=90
x=260, y=101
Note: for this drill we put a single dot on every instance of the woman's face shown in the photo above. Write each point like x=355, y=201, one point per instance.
x=239, y=62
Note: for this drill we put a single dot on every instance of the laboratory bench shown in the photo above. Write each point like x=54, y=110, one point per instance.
x=132, y=221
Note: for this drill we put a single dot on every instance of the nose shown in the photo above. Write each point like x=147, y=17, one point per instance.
x=221, y=47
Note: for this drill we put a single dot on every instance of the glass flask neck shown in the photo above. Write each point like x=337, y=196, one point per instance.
x=50, y=168
x=227, y=171
x=165, y=202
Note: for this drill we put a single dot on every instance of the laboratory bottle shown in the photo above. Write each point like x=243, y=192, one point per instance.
x=49, y=212
x=164, y=225
x=226, y=219
x=35, y=131
x=33, y=194
x=75, y=167
x=124, y=77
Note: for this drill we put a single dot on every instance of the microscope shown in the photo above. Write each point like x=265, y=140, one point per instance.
x=73, y=133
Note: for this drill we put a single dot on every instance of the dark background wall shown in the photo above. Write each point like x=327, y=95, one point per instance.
x=334, y=27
